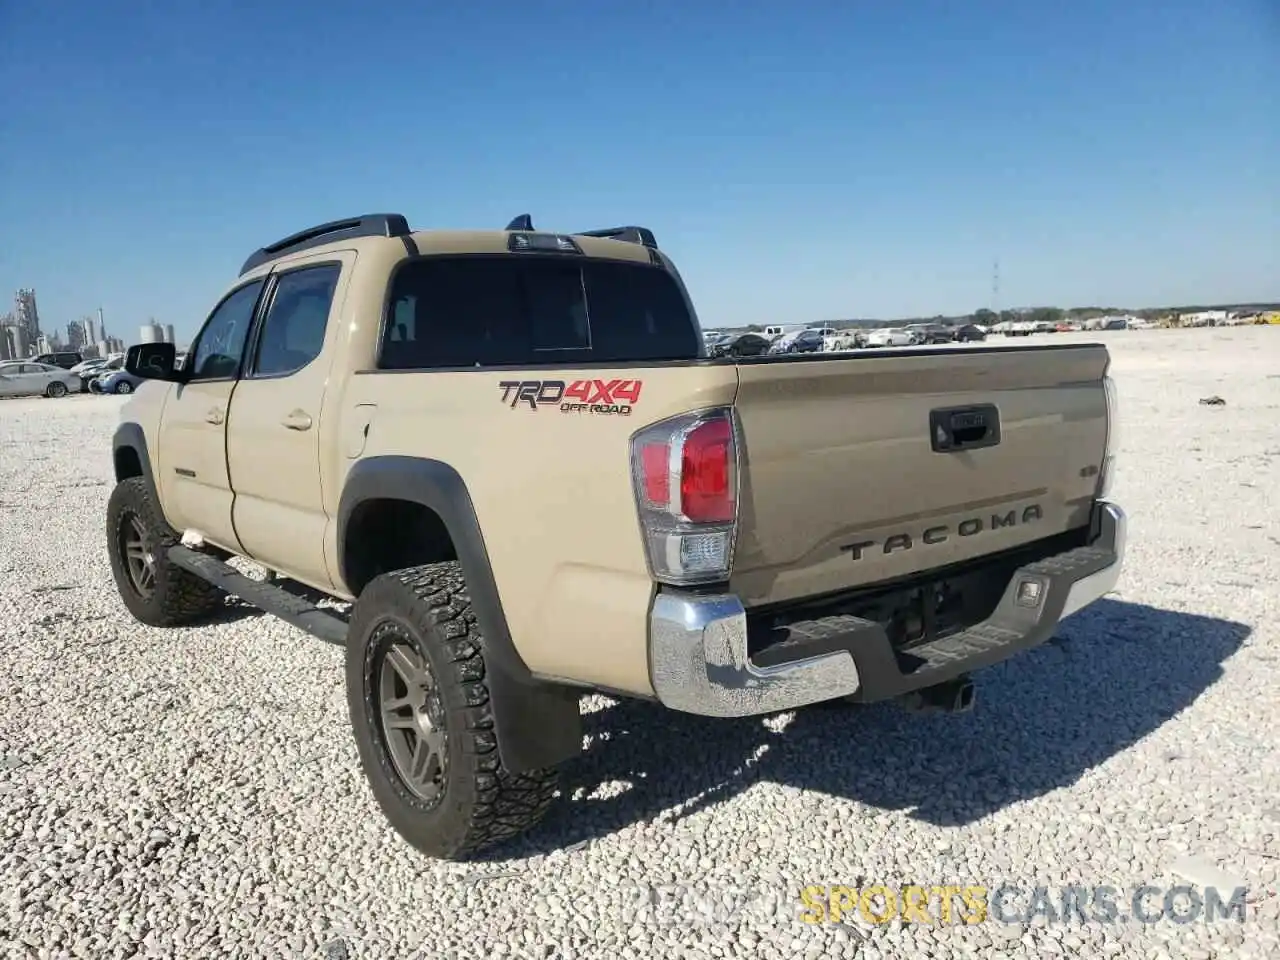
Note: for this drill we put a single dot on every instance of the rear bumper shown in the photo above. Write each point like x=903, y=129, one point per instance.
x=698, y=658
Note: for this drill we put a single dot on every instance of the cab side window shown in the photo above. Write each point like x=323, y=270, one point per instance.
x=293, y=332
x=220, y=344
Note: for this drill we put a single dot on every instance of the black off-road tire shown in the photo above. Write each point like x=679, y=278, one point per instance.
x=479, y=803
x=177, y=597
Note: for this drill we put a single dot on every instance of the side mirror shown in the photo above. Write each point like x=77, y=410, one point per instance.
x=152, y=361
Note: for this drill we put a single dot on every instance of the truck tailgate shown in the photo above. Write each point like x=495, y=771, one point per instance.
x=842, y=485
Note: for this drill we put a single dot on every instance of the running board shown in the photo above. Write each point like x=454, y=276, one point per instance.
x=272, y=599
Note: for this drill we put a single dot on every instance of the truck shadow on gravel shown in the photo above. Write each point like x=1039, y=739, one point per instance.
x=1114, y=673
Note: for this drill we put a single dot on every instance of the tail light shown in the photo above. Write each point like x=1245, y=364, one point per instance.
x=685, y=473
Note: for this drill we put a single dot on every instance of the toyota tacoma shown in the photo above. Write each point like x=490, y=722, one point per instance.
x=510, y=453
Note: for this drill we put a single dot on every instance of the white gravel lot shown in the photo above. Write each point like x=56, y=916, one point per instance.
x=196, y=793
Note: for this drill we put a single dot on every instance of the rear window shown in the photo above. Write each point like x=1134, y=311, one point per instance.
x=508, y=311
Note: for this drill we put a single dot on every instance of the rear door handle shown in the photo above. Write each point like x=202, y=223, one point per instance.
x=953, y=429
x=214, y=415
x=297, y=420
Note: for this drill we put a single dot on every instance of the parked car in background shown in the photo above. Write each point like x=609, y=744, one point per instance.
x=782, y=329
x=27, y=378
x=712, y=338
x=804, y=341
x=844, y=340
x=780, y=342
x=87, y=370
x=741, y=345
x=889, y=337
x=65, y=359
x=90, y=376
x=969, y=333
x=84, y=366
x=929, y=333
x=116, y=381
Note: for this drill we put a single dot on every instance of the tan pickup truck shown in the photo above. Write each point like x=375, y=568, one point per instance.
x=510, y=451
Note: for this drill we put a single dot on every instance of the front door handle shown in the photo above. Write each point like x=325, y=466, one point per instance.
x=214, y=415
x=297, y=420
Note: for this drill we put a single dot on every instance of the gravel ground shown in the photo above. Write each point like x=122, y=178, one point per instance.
x=196, y=793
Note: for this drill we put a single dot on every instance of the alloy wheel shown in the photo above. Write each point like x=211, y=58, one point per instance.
x=138, y=558
x=411, y=714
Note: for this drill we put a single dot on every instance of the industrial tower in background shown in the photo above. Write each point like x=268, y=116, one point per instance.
x=152, y=332
x=26, y=315
x=20, y=330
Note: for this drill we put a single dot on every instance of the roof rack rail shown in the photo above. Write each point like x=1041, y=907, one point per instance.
x=522, y=222
x=368, y=225
x=641, y=235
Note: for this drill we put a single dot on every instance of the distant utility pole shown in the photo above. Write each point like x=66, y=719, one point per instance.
x=995, y=288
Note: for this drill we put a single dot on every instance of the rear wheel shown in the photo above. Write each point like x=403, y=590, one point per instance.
x=419, y=708
x=56, y=389
x=124, y=386
x=154, y=590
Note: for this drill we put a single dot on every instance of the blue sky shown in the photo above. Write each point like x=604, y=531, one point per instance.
x=800, y=161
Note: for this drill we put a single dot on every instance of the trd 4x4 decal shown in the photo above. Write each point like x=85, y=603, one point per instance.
x=579, y=396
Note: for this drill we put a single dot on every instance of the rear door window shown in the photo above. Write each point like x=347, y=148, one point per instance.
x=508, y=311
x=293, y=331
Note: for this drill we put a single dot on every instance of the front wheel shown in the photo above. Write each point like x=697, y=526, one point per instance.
x=419, y=708
x=154, y=590
x=124, y=386
x=56, y=389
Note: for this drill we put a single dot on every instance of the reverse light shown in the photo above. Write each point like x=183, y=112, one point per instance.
x=685, y=474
